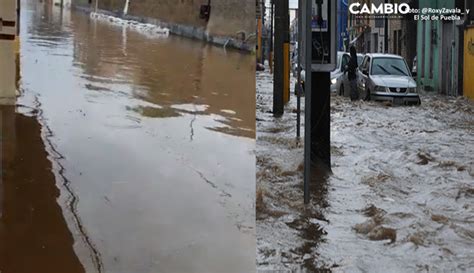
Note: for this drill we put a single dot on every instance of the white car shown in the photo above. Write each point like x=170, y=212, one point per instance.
x=339, y=80
x=387, y=77
x=338, y=76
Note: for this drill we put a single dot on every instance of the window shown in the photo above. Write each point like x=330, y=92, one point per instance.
x=362, y=66
x=365, y=64
x=397, y=42
x=389, y=66
x=345, y=60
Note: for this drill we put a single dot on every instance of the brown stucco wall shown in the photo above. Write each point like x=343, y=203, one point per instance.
x=229, y=18
x=171, y=11
x=112, y=5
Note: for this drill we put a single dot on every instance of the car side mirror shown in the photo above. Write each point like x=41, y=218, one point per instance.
x=365, y=72
x=345, y=68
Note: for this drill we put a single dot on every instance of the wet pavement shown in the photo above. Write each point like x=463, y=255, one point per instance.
x=136, y=142
x=399, y=198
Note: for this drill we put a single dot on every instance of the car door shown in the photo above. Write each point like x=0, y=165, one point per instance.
x=361, y=76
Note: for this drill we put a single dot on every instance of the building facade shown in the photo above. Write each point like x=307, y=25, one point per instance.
x=466, y=53
x=438, y=47
x=342, y=33
x=228, y=18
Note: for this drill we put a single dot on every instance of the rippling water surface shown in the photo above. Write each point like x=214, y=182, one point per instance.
x=147, y=143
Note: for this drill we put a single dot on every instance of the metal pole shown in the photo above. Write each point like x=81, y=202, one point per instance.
x=270, y=58
x=286, y=52
x=298, y=69
x=259, y=33
x=307, y=101
x=263, y=27
x=385, y=33
x=279, y=75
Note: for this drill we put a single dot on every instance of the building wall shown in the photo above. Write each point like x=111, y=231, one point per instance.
x=228, y=17
x=231, y=16
x=342, y=23
x=359, y=29
x=468, y=86
x=377, y=28
x=394, y=25
x=173, y=11
x=428, y=54
x=435, y=49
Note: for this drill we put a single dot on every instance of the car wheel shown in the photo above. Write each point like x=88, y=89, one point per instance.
x=341, y=90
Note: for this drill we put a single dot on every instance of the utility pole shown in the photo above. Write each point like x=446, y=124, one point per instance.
x=259, y=31
x=278, y=84
x=286, y=52
x=281, y=77
x=385, y=36
x=262, y=7
x=298, y=87
x=320, y=39
x=270, y=36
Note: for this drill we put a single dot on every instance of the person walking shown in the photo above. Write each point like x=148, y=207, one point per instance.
x=352, y=76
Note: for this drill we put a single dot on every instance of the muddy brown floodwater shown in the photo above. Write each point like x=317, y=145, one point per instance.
x=126, y=153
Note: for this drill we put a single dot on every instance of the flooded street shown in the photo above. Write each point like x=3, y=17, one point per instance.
x=123, y=150
x=399, y=199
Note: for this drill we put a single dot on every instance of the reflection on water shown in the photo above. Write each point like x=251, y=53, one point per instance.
x=34, y=236
x=168, y=72
x=155, y=139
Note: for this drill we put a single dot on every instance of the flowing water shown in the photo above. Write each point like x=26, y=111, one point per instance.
x=399, y=199
x=131, y=152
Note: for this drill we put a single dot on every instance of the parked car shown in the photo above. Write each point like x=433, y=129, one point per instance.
x=339, y=76
x=339, y=80
x=387, y=77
